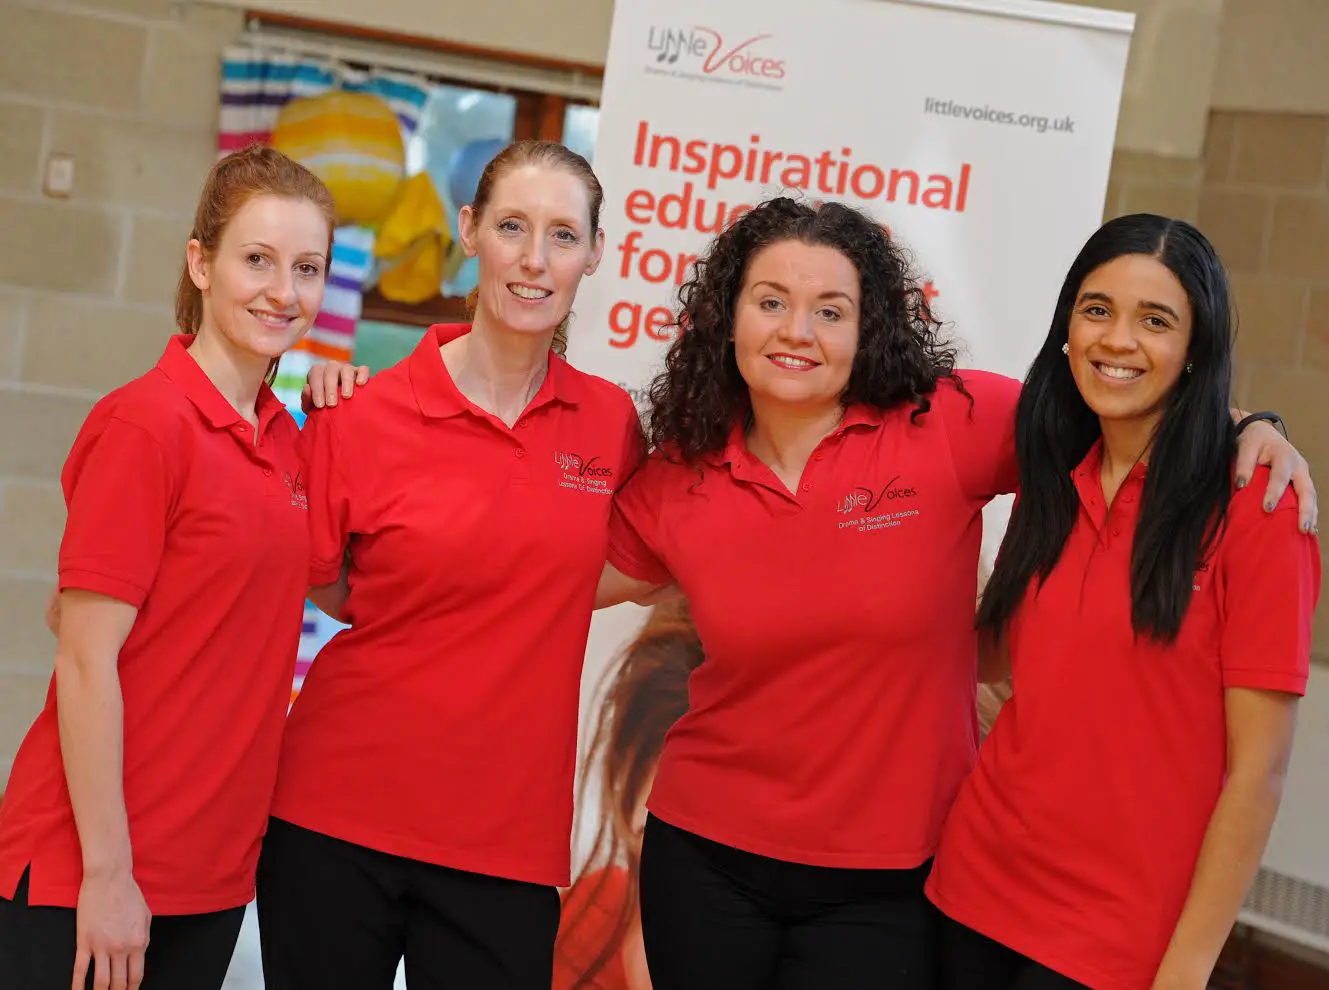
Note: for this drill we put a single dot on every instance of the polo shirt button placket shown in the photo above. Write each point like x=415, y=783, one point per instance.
x=521, y=470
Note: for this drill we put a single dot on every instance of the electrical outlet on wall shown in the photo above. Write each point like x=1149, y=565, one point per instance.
x=59, y=178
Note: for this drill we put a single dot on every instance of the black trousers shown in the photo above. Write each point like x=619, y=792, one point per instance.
x=717, y=917
x=333, y=915
x=185, y=952
x=972, y=961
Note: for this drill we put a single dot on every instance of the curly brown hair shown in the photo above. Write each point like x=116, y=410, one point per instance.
x=901, y=354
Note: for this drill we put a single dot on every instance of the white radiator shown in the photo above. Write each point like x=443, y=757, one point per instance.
x=1290, y=897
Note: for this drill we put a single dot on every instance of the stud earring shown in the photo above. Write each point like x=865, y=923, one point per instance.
x=1066, y=348
x=1189, y=367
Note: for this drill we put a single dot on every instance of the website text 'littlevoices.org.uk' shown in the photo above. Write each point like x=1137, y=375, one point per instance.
x=992, y=115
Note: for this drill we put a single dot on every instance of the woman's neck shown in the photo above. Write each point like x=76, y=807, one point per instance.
x=497, y=369
x=238, y=376
x=1126, y=443
x=784, y=437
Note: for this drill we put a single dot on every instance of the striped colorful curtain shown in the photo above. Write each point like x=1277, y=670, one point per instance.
x=257, y=82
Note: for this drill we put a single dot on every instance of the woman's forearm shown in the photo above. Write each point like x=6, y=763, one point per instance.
x=1229, y=858
x=994, y=658
x=91, y=724
x=331, y=598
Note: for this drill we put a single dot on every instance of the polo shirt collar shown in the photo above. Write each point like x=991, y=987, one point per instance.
x=176, y=364
x=1087, y=476
x=437, y=394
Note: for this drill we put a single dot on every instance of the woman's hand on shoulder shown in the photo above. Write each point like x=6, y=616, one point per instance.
x=329, y=380
x=1262, y=444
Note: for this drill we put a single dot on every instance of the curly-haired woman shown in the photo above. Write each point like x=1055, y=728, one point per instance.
x=815, y=491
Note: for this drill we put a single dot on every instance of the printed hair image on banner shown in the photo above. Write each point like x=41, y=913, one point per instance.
x=641, y=696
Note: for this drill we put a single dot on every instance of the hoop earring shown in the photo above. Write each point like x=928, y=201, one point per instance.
x=1066, y=348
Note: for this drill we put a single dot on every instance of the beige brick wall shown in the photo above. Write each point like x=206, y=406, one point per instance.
x=129, y=87
x=1261, y=193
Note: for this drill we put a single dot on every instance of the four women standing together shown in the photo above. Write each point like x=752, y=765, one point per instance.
x=817, y=473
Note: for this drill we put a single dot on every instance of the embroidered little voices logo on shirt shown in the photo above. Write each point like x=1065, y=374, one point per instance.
x=299, y=496
x=865, y=509
x=584, y=474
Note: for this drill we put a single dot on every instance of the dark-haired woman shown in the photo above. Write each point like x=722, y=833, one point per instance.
x=815, y=491
x=1108, y=838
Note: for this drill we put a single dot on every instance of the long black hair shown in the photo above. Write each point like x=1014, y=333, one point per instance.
x=901, y=350
x=1188, y=487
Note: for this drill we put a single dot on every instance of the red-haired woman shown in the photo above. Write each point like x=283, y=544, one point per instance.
x=424, y=802
x=140, y=795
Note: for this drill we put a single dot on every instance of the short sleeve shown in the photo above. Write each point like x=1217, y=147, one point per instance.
x=1271, y=583
x=119, y=488
x=328, y=485
x=634, y=523
x=982, y=434
x=634, y=441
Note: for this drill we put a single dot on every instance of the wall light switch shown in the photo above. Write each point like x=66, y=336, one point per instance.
x=59, y=179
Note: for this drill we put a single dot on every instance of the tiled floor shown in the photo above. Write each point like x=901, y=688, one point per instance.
x=247, y=972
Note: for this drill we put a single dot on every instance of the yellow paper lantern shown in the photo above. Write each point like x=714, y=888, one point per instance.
x=413, y=243
x=352, y=141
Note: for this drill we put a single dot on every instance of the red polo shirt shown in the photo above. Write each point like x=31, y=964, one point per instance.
x=834, y=717
x=175, y=510
x=1074, y=841
x=442, y=726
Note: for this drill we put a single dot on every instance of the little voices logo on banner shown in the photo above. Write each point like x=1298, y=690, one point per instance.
x=979, y=133
x=706, y=52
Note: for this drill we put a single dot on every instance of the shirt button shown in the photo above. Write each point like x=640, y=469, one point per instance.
x=267, y=472
x=820, y=457
x=520, y=452
x=807, y=487
x=1116, y=530
x=524, y=423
